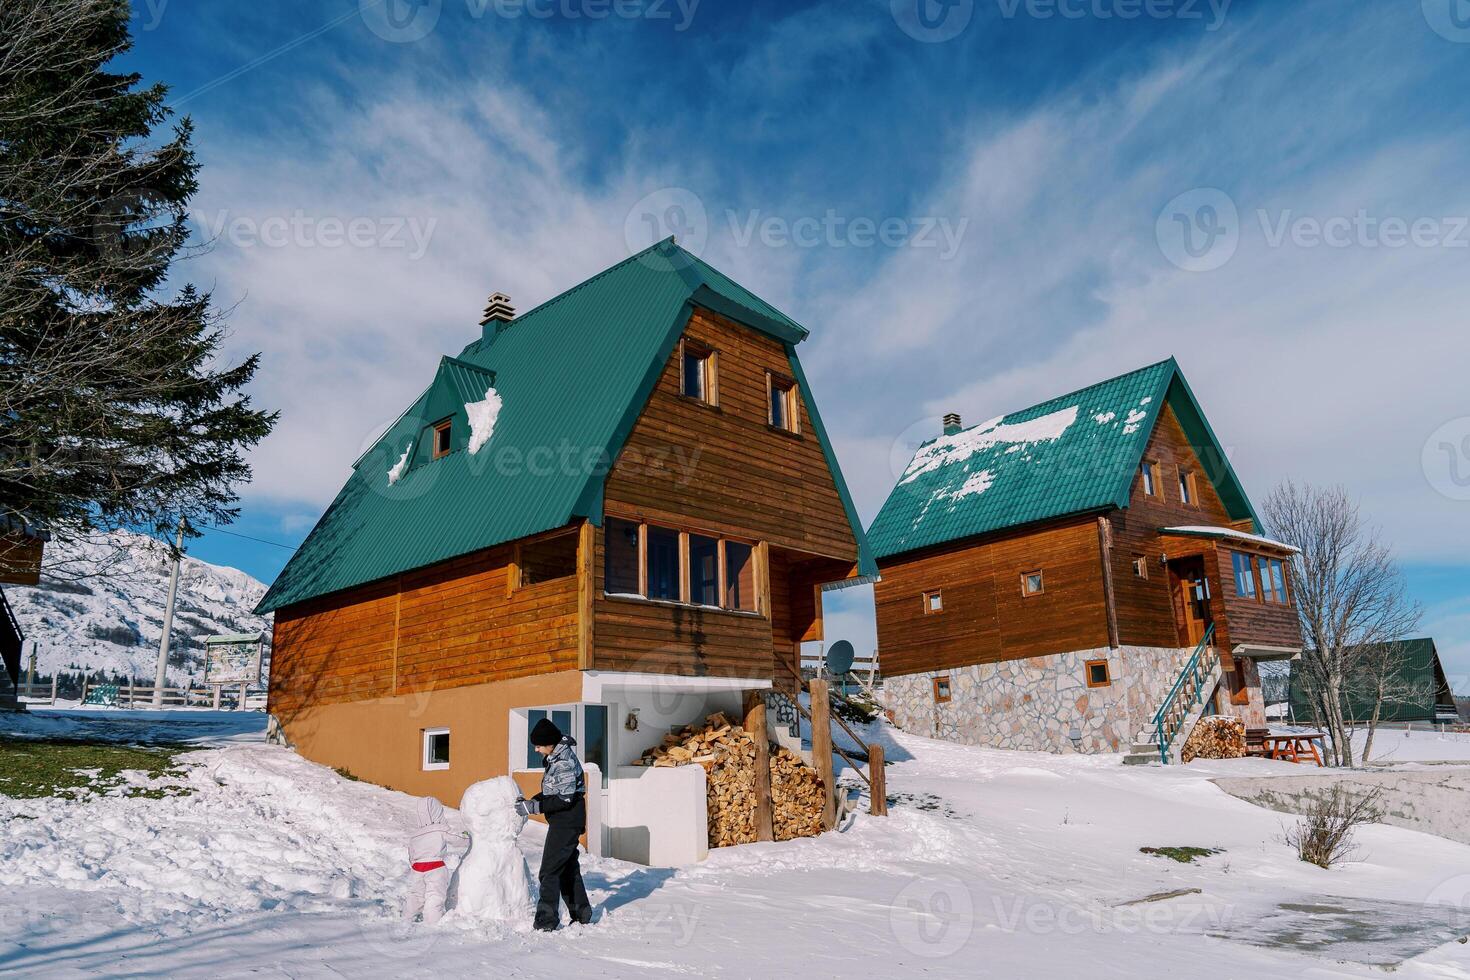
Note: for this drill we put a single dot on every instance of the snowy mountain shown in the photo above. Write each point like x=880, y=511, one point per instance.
x=112, y=623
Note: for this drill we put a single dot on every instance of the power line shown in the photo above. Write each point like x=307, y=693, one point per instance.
x=247, y=537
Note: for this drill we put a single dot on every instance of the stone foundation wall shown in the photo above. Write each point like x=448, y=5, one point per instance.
x=1041, y=703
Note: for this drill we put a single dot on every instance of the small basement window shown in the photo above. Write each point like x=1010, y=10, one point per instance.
x=941, y=690
x=436, y=749
x=783, y=413
x=1033, y=583
x=933, y=602
x=1140, y=566
x=548, y=558
x=443, y=437
x=697, y=370
x=1098, y=674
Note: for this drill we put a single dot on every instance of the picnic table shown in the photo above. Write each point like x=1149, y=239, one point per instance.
x=1294, y=746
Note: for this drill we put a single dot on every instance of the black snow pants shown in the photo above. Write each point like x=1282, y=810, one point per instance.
x=560, y=876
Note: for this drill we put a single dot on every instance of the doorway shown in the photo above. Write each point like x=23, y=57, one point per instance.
x=1191, y=598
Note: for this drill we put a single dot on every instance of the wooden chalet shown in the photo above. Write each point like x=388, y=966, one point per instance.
x=22, y=547
x=1084, y=575
x=617, y=510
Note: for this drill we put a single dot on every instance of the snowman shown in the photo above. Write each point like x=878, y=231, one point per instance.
x=494, y=881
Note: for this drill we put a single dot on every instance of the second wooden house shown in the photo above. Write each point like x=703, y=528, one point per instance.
x=1084, y=575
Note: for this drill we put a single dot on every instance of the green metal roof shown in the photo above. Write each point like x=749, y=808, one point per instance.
x=1419, y=666
x=1070, y=455
x=573, y=375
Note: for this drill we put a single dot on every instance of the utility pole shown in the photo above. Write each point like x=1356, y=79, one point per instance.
x=160, y=676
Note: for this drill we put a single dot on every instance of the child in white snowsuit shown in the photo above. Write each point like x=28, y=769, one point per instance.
x=430, y=843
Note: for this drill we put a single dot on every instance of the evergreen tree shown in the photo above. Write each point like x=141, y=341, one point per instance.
x=115, y=408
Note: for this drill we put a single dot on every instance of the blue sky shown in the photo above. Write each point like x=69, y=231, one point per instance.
x=373, y=170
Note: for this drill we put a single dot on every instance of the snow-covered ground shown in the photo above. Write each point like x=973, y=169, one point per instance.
x=991, y=864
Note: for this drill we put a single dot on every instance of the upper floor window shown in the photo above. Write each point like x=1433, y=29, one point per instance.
x=1188, y=490
x=653, y=562
x=1273, y=580
x=698, y=372
x=443, y=431
x=783, y=413
x=1033, y=583
x=933, y=602
x=1245, y=574
x=1140, y=566
x=1150, y=474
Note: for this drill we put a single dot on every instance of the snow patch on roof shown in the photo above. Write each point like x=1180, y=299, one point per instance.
x=1103, y=418
x=1147, y=400
x=395, y=473
x=482, y=415
x=962, y=445
x=1133, y=421
x=976, y=483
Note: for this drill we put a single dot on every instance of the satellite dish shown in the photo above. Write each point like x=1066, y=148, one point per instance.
x=839, y=657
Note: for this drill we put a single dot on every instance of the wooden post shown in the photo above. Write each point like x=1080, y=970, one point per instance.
x=84, y=689
x=755, y=724
x=822, y=748
x=241, y=705
x=218, y=688
x=877, y=781
x=54, y=674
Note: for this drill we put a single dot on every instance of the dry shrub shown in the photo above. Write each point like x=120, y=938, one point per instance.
x=1325, y=835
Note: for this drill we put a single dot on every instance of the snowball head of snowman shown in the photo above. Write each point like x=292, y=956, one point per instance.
x=490, y=809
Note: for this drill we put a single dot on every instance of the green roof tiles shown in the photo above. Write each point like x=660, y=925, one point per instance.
x=1423, y=691
x=1069, y=455
x=572, y=375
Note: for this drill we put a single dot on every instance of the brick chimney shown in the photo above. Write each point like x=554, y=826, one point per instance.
x=952, y=423
x=498, y=315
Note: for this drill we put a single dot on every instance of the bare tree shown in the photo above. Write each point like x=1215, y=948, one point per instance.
x=1351, y=602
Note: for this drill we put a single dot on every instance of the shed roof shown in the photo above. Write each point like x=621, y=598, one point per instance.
x=1419, y=671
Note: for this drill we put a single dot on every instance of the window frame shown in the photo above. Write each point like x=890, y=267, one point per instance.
x=788, y=388
x=710, y=358
x=948, y=683
x=685, y=580
x=1254, y=594
x=928, y=597
x=1188, y=487
x=1140, y=567
x=1269, y=593
x=427, y=736
x=1149, y=476
x=444, y=427
x=1026, y=591
x=1107, y=680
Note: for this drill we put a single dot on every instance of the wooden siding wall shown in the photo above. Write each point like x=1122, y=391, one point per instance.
x=986, y=618
x=667, y=638
x=1146, y=613
x=20, y=560
x=449, y=625
x=724, y=468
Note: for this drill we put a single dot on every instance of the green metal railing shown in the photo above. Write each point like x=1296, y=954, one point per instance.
x=1187, y=692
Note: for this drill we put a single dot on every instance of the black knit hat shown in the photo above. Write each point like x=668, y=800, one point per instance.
x=545, y=733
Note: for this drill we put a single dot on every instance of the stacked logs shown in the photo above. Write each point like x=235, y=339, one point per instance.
x=1216, y=738
x=727, y=753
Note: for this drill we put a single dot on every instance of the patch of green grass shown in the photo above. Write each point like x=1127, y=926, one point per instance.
x=346, y=774
x=1184, y=855
x=70, y=769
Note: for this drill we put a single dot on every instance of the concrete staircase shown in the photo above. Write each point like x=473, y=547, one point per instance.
x=1180, y=711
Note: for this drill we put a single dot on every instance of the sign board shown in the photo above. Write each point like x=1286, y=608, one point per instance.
x=233, y=659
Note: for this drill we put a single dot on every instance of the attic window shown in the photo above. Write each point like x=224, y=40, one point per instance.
x=782, y=413
x=1188, y=489
x=1140, y=566
x=1150, y=479
x=933, y=602
x=698, y=372
x=443, y=431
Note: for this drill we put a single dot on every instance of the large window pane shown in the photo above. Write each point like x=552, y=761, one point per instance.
x=663, y=563
x=704, y=570
x=620, y=558
x=561, y=718
x=739, y=577
x=696, y=373
x=1245, y=580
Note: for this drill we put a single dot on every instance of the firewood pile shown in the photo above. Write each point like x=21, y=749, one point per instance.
x=1216, y=738
x=727, y=752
